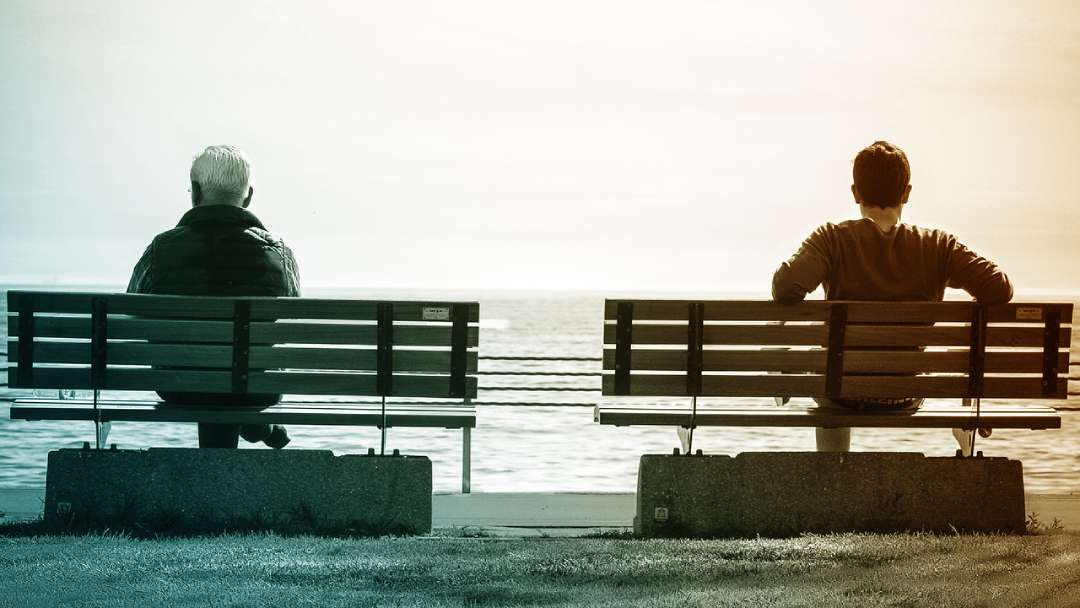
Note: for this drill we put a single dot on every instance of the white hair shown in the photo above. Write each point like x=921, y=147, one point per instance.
x=222, y=172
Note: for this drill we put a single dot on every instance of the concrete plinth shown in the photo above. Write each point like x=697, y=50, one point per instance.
x=787, y=493
x=207, y=490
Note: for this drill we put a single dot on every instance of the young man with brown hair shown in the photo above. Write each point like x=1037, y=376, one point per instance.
x=879, y=258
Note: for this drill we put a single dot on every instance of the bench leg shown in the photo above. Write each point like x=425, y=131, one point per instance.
x=965, y=439
x=833, y=440
x=466, y=460
x=103, y=434
x=685, y=440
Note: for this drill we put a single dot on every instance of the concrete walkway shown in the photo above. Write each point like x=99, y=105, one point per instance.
x=542, y=513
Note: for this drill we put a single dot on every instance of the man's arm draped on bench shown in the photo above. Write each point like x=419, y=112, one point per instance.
x=879, y=258
x=219, y=248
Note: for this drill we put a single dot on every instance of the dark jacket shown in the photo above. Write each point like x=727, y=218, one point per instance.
x=217, y=250
x=857, y=261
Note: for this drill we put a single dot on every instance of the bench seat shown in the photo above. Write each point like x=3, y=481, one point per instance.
x=928, y=416
x=291, y=412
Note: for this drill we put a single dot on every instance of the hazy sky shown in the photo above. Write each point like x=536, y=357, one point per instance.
x=580, y=144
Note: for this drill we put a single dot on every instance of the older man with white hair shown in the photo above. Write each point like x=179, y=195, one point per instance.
x=219, y=248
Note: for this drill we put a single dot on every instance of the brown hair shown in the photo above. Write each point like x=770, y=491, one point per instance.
x=882, y=174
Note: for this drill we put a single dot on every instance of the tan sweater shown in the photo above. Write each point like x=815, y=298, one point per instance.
x=855, y=260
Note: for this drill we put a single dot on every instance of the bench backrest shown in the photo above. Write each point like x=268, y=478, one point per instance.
x=242, y=345
x=834, y=349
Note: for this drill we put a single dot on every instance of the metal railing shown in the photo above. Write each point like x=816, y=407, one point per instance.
x=503, y=376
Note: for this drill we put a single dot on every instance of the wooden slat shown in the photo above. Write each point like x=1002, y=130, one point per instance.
x=723, y=360
x=893, y=312
x=814, y=361
x=274, y=357
x=287, y=332
x=176, y=331
x=902, y=335
x=991, y=416
x=165, y=306
x=953, y=312
x=304, y=383
x=312, y=333
x=54, y=327
x=750, y=335
x=172, y=307
x=184, y=355
x=131, y=353
x=307, y=308
x=997, y=362
x=300, y=383
x=123, y=328
x=856, y=336
x=994, y=387
x=128, y=304
x=750, y=310
x=430, y=361
x=357, y=310
x=334, y=413
x=133, y=379
x=674, y=385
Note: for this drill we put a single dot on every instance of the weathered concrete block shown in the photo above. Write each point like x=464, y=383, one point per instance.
x=203, y=490
x=786, y=493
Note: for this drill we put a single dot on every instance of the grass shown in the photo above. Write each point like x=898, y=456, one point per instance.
x=269, y=570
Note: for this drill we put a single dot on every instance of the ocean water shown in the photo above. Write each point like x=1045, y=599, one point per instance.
x=548, y=441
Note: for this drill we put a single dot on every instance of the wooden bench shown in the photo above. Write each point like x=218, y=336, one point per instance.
x=953, y=350
x=298, y=346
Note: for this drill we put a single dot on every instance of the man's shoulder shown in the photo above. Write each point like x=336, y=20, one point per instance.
x=266, y=238
x=857, y=226
x=928, y=234
x=171, y=235
x=256, y=234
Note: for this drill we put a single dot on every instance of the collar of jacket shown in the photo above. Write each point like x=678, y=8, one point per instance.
x=221, y=213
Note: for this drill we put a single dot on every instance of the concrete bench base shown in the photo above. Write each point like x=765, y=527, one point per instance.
x=787, y=493
x=179, y=490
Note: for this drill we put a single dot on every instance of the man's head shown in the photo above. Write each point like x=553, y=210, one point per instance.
x=882, y=176
x=220, y=176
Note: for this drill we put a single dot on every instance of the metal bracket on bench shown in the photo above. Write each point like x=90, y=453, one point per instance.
x=834, y=365
x=695, y=329
x=977, y=352
x=624, y=334
x=384, y=355
x=103, y=434
x=459, y=343
x=99, y=342
x=1050, y=351
x=99, y=357
x=466, y=460
x=241, y=346
x=24, y=374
